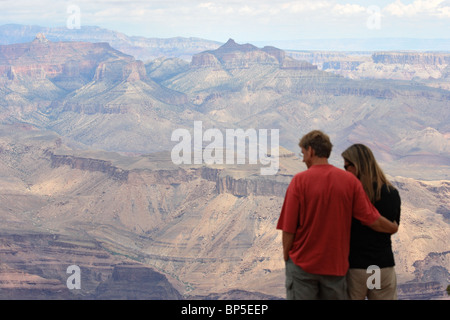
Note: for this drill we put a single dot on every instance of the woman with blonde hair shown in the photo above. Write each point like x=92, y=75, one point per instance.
x=368, y=247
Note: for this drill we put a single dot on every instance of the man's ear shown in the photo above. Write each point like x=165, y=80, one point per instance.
x=311, y=152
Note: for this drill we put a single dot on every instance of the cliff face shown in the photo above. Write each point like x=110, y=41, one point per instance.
x=89, y=165
x=381, y=65
x=118, y=70
x=421, y=291
x=225, y=183
x=55, y=60
x=341, y=65
x=204, y=60
x=143, y=282
x=411, y=58
x=243, y=187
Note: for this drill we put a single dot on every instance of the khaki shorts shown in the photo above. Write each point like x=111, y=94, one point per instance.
x=358, y=288
x=301, y=285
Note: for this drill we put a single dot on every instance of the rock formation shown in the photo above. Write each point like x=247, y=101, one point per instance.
x=143, y=282
x=90, y=165
x=241, y=56
x=34, y=267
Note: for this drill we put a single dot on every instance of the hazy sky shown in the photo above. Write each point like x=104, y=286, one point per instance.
x=251, y=20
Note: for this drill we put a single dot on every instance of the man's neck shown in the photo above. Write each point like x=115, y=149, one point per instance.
x=319, y=161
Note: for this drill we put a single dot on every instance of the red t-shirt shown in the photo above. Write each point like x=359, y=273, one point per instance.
x=318, y=208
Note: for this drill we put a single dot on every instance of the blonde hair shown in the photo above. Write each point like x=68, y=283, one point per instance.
x=367, y=170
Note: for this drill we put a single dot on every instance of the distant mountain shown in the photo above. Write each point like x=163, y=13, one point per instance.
x=139, y=47
x=236, y=56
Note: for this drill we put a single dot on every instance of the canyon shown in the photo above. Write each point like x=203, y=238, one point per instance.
x=164, y=231
x=87, y=177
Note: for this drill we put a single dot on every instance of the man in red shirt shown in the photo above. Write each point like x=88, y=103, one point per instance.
x=316, y=219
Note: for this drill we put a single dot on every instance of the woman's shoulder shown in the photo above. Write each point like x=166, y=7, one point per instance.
x=389, y=188
x=389, y=191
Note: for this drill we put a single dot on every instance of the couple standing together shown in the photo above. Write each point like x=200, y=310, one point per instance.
x=335, y=224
